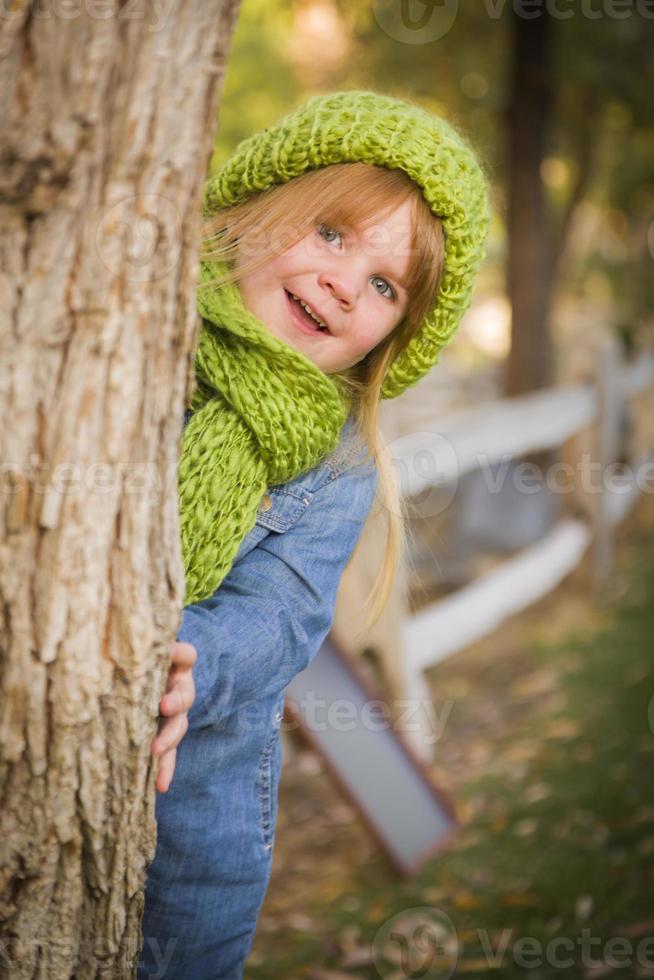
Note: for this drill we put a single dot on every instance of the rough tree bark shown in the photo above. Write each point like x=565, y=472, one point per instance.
x=105, y=135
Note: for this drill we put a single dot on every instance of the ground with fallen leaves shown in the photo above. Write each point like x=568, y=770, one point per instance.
x=547, y=754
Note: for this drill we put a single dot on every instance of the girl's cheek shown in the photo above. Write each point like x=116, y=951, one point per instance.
x=369, y=339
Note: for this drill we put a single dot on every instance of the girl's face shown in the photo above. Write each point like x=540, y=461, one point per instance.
x=350, y=278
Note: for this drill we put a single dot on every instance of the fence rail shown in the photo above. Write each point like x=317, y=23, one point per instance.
x=505, y=430
x=511, y=427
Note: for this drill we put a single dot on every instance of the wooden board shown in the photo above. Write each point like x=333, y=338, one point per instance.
x=349, y=725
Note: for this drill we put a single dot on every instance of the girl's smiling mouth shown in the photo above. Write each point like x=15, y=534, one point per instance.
x=301, y=318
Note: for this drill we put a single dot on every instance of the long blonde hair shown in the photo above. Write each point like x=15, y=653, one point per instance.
x=271, y=221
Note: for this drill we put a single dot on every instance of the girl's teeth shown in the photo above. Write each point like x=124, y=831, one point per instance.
x=307, y=309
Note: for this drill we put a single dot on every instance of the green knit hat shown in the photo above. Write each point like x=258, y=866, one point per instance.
x=346, y=127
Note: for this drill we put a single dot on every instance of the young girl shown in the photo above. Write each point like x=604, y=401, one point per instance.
x=342, y=247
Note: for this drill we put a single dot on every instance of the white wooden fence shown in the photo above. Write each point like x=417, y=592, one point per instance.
x=504, y=430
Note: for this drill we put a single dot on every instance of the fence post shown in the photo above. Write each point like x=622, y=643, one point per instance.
x=608, y=445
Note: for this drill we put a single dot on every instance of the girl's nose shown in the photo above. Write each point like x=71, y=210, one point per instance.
x=342, y=284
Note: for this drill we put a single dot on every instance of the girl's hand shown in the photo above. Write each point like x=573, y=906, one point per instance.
x=174, y=705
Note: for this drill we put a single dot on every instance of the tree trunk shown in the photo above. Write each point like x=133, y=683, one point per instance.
x=530, y=261
x=105, y=138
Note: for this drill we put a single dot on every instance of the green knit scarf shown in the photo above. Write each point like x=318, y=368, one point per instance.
x=262, y=414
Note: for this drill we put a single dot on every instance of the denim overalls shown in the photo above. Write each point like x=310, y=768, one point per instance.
x=263, y=625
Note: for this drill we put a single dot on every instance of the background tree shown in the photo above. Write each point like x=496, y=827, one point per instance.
x=567, y=85
x=529, y=254
x=105, y=137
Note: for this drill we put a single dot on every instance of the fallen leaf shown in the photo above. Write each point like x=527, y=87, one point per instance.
x=538, y=682
x=536, y=792
x=561, y=728
x=523, y=828
x=457, y=688
x=476, y=965
x=317, y=973
x=584, y=907
x=465, y=900
x=597, y=970
x=356, y=957
x=518, y=901
x=637, y=928
x=522, y=750
x=436, y=894
x=301, y=922
x=644, y=814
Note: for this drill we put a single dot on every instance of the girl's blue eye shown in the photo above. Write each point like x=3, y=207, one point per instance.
x=325, y=232
x=331, y=235
x=377, y=279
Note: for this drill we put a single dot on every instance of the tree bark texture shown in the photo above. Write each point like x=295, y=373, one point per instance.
x=530, y=259
x=105, y=135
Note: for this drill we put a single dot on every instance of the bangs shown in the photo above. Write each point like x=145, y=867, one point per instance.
x=358, y=193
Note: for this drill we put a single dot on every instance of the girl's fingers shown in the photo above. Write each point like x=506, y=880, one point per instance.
x=165, y=770
x=171, y=734
x=183, y=655
x=180, y=680
x=179, y=697
x=172, y=703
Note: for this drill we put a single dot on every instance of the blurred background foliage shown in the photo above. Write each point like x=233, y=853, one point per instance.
x=597, y=173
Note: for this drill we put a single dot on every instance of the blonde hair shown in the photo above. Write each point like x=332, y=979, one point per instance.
x=268, y=223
